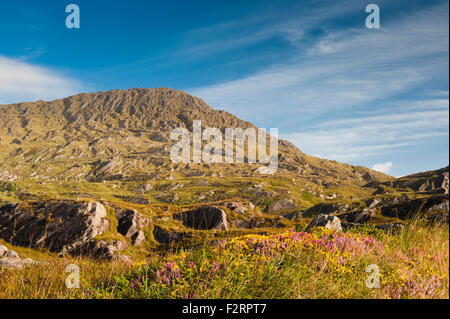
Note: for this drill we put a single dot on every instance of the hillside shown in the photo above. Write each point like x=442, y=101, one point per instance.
x=122, y=137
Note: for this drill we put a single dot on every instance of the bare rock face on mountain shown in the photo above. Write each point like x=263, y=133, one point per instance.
x=60, y=226
x=206, y=217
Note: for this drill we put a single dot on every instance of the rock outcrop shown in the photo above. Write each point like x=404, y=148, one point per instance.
x=242, y=208
x=327, y=221
x=168, y=237
x=100, y=249
x=359, y=216
x=60, y=226
x=11, y=259
x=283, y=204
x=389, y=227
x=131, y=224
x=417, y=207
x=431, y=182
x=204, y=218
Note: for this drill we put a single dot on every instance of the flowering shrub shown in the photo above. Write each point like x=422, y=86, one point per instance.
x=247, y=265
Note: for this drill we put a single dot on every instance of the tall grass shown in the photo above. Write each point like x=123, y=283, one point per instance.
x=413, y=264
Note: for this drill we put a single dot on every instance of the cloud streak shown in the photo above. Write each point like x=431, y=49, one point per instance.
x=353, y=93
x=363, y=137
x=383, y=167
x=21, y=81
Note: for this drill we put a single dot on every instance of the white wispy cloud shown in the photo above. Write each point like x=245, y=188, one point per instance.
x=22, y=81
x=354, y=93
x=362, y=137
x=383, y=167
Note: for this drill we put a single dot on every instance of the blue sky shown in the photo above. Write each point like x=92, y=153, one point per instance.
x=372, y=97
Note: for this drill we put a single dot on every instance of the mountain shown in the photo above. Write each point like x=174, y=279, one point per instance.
x=123, y=136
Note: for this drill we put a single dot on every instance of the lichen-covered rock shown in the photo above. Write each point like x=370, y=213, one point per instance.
x=138, y=238
x=243, y=208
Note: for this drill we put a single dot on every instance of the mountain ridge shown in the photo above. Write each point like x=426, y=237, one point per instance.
x=155, y=111
x=119, y=141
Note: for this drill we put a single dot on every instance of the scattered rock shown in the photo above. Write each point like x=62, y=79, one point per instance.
x=8, y=262
x=11, y=254
x=442, y=207
x=327, y=221
x=244, y=208
x=11, y=259
x=325, y=208
x=138, y=238
x=124, y=259
x=203, y=183
x=127, y=222
x=381, y=189
x=100, y=249
x=16, y=141
x=206, y=217
x=131, y=224
x=279, y=205
x=416, y=207
x=158, y=137
x=360, y=216
x=292, y=215
x=60, y=226
x=374, y=202
x=167, y=197
x=3, y=250
x=167, y=237
x=241, y=224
